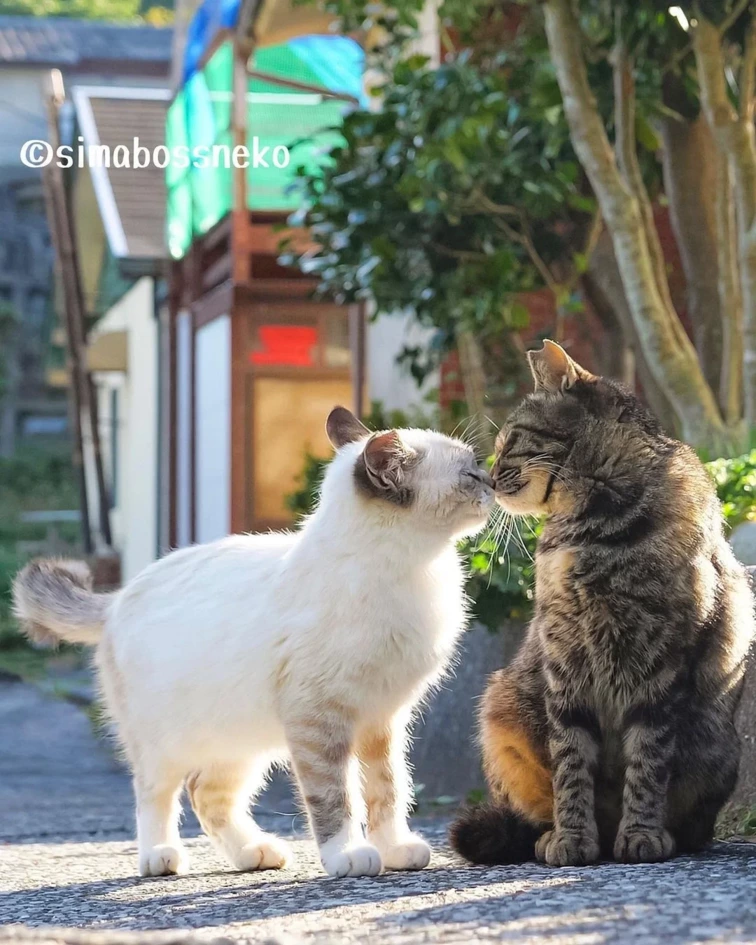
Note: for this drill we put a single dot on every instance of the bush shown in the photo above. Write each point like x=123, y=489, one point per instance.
x=31, y=480
x=736, y=487
x=10, y=562
x=501, y=571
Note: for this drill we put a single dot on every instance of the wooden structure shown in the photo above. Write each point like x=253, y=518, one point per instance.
x=255, y=364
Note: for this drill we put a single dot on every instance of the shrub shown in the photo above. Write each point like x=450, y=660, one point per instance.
x=10, y=562
x=736, y=487
x=32, y=479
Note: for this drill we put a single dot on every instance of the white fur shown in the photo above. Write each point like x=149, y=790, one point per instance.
x=207, y=653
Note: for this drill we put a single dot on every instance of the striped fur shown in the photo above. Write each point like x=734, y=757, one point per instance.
x=616, y=719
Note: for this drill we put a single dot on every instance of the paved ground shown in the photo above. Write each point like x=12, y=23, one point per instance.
x=67, y=860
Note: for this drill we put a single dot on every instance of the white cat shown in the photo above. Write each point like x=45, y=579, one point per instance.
x=315, y=646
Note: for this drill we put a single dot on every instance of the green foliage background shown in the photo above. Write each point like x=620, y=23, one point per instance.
x=84, y=9
x=31, y=480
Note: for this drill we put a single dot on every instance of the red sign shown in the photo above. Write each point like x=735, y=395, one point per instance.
x=291, y=345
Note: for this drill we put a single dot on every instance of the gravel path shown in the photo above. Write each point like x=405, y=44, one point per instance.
x=67, y=873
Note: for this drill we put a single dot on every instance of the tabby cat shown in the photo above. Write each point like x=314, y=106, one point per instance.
x=611, y=733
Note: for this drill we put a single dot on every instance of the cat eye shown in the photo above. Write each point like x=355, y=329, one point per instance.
x=479, y=475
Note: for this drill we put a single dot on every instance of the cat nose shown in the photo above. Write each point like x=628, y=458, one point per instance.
x=482, y=476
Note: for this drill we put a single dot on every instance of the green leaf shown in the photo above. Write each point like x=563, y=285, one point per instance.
x=519, y=315
x=646, y=135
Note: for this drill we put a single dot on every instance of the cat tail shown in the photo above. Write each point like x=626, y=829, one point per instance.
x=494, y=835
x=54, y=601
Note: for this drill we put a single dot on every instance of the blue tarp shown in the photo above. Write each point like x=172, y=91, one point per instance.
x=337, y=60
x=210, y=18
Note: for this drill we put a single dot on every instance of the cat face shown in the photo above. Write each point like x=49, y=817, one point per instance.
x=422, y=477
x=577, y=439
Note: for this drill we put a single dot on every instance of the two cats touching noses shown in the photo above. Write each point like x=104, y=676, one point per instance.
x=610, y=736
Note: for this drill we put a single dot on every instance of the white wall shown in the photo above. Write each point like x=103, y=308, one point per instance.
x=112, y=429
x=389, y=383
x=134, y=517
x=387, y=335
x=183, y=429
x=213, y=429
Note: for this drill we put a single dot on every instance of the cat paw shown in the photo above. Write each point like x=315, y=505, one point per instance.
x=266, y=853
x=163, y=860
x=567, y=848
x=357, y=861
x=413, y=854
x=643, y=846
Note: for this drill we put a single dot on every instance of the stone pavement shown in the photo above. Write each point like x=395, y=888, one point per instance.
x=67, y=865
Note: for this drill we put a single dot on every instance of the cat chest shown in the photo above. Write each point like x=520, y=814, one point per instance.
x=555, y=582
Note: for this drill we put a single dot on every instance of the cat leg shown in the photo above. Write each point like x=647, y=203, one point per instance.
x=703, y=778
x=161, y=852
x=388, y=788
x=574, y=747
x=649, y=744
x=320, y=743
x=220, y=797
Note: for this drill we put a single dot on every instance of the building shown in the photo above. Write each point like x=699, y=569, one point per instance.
x=87, y=53
x=120, y=217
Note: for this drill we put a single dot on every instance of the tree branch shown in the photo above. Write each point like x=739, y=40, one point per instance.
x=627, y=158
x=672, y=359
x=734, y=133
x=732, y=16
x=463, y=255
x=624, y=115
x=484, y=203
x=730, y=302
x=748, y=75
x=526, y=241
x=723, y=27
x=689, y=162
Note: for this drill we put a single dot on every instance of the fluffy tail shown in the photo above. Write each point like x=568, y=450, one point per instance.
x=494, y=835
x=53, y=601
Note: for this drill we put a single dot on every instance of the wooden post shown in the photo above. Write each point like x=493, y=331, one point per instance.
x=54, y=201
x=357, y=332
x=241, y=269
x=84, y=400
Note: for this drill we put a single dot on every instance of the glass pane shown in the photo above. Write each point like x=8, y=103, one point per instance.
x=336, y=351
x=288, y=420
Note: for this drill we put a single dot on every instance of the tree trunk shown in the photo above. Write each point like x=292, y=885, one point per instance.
x=731, y=302
x=473, y=373
x=603, y=287
x=689, y=162
x=735, y=134
x=670, y=356
x=630, y=169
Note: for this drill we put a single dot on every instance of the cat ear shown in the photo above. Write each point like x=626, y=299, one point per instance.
x=383, y=463
x=554, y=370
x=343, y=427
